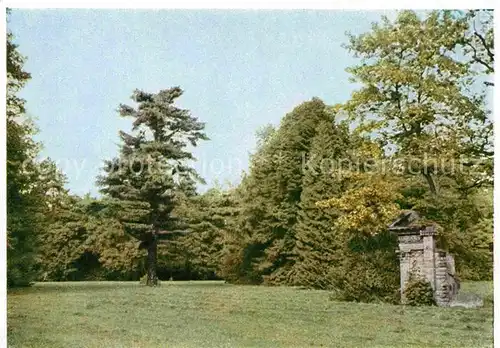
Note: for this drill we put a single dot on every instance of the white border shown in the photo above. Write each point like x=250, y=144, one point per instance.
x=3, y=193
x=257, y=4
x=242, y=4
x=496, y=190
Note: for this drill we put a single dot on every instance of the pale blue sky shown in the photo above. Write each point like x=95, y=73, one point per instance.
x=239, y=69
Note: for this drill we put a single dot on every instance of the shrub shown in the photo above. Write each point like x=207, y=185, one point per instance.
x=418, y=292
x=366, y=270
x=360, y=280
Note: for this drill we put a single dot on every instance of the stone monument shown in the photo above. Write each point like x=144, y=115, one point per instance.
x=419, y=256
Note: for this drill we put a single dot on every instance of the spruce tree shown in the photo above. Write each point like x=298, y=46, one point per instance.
x=208, y=218
x=315, y=236
x=272, y=193
x=152, y=169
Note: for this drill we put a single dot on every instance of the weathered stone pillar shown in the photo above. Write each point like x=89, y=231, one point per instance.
x=418, y=255
x=404, y=266
x=442, y=292
x=450, y=261
x=429, y=262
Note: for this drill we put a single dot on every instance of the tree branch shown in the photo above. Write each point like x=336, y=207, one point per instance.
x=485, y=44
x=479, y=60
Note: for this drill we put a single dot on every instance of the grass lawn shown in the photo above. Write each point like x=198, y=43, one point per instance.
x=214, y=314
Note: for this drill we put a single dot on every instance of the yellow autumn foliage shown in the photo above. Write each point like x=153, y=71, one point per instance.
x=366, y=208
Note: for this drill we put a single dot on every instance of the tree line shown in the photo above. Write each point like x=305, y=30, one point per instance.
x=313, y=208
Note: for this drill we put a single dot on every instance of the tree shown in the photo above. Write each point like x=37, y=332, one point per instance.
x=478, y=40
x=417, y=97
x=65, y=240
x=151, y=172
x=466, y=229
x=239, y=248
x=270, y=194
x=264, y=134
x=423, y=99
x=366, y=266
x=82, y=241
x=316, y=242
x=208, y=218
x=25, y=203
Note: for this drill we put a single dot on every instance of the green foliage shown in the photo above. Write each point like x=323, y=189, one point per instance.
x=30, y=189
x=271, y=192
x=416, y=98
x=237, y=261
x=366, y=266
x=419, y=98
x=152, y=173
x=466, y=229
x=85, y=243
x=418, y=292
x=207, y=217
x=301, y=215
x=365, y=276
x=21, y=206
x=207, y=222
x=65, y=241
x=316, y=240
x=367, y=206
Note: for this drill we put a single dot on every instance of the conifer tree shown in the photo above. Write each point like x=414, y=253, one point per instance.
x=272, y=193
x=208, y=218
x=152, y=169
x=316, y=242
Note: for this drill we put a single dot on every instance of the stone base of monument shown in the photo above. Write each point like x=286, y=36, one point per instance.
x=419, y=256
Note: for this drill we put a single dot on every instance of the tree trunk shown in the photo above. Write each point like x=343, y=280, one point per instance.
x=152, y=253
x=430, y=181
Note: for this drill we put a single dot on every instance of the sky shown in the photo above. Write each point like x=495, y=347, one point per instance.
x=240, y=70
